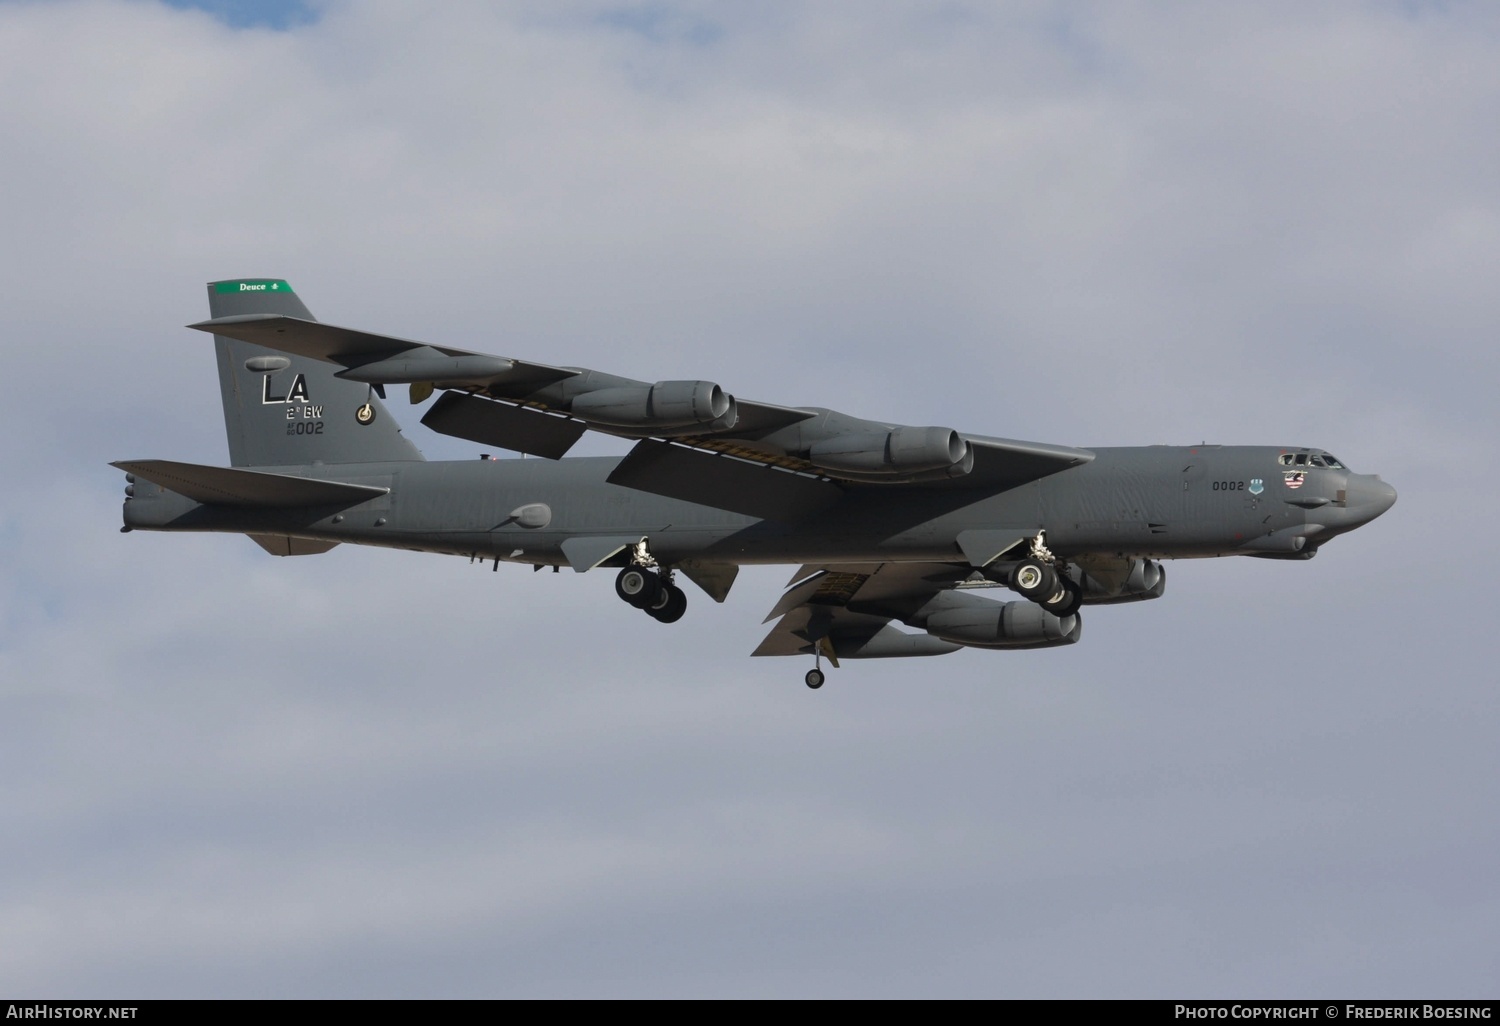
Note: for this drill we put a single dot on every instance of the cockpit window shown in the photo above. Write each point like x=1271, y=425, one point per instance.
x=1302, y=459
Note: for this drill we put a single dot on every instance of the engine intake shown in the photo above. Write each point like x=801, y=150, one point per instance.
x=1147, y=580
x=665, y=405
x=904, y=450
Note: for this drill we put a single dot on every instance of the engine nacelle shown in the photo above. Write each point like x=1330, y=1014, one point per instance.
x=1147, y=580
x=902, y=451
x=888, y=643
x=665, y=405
x=982, y=623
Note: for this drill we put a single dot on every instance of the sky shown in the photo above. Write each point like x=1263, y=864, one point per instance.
x=385, y=774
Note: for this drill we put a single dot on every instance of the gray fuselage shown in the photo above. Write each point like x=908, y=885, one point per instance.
x=1159, y=501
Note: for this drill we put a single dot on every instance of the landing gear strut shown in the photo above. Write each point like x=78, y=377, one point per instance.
x=814, y=677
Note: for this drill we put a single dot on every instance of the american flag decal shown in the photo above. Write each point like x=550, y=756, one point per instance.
x=1294, y=478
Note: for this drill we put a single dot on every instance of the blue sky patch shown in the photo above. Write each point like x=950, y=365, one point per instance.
x=273, y=14
x=661, y=23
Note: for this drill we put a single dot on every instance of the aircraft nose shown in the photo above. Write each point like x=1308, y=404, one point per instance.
x=1368, y=496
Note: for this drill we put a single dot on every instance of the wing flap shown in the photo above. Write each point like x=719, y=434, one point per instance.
x=841, y=634
x=723, y=482
x=801, y=629
x=848, y=609
x=504, y=425
x=762, y=418
x=228, y=486
x=1002, y=463
x=795, y=597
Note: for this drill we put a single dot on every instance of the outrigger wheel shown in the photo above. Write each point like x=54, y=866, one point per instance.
x=638, y=586
x=814, y=679
x=365, y=414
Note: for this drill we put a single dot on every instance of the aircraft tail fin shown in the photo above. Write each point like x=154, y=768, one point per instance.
x=282, y=410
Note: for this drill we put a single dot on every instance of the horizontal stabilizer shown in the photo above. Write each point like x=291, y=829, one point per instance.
x=503, y=425
x=723, y=482
x=226, y=486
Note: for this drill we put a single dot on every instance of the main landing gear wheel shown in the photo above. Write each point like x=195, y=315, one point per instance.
x=669, y=605
x=638, y=586
x=1067, y=601
x=814, y=679
x=1034, y=580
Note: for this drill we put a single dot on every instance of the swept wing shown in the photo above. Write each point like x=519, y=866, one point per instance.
x=694, y=441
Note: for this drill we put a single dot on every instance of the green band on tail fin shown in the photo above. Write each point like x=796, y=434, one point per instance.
x=252, y=285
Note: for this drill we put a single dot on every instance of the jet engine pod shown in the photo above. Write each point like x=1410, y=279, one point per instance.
x=428, y=364
x=1147, y=580
x=663, y=406
x=981, y=623
x=902, y=451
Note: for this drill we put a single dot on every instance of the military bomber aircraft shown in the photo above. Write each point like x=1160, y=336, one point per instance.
x=889, y=523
